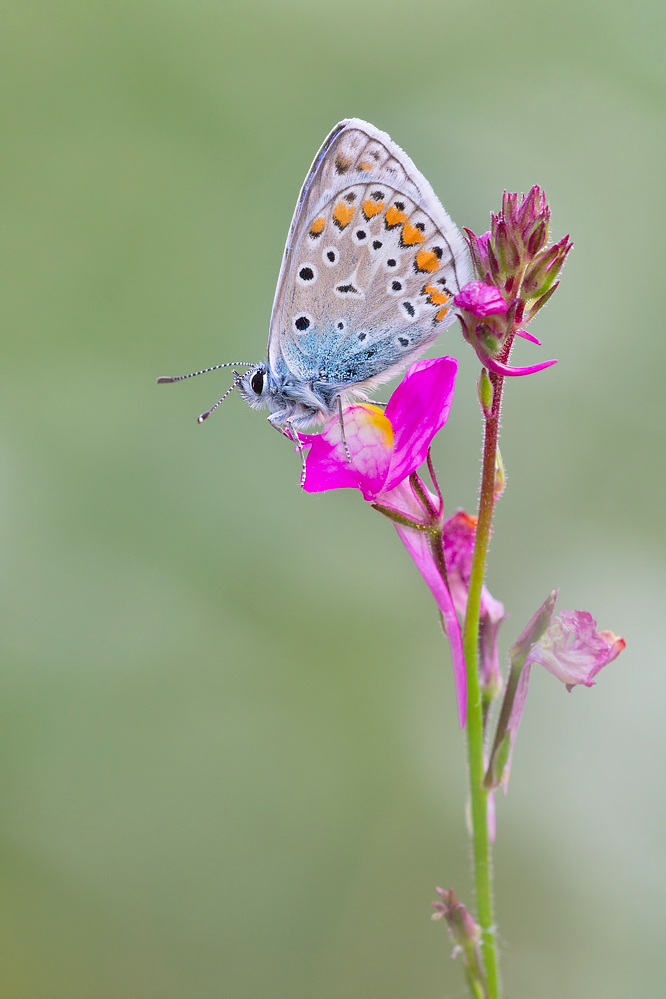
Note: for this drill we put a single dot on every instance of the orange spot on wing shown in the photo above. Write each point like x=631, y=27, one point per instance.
x=440, y=315
x=411, y=235
x=371, y=208
x=364, y=165
x=343, y=214
x=436, y=296
x=394, y=217
x=317, y=226
x=426, y=260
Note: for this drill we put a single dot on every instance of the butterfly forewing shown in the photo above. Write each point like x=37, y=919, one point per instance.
x=370, y=267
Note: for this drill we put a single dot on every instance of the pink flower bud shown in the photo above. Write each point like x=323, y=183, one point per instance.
x=466, y=935
x=481, y=300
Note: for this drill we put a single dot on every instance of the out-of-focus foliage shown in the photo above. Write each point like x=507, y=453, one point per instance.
x=230, y=758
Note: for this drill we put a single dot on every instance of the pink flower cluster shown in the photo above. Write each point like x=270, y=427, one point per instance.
x=517, y=273
x=384, y=449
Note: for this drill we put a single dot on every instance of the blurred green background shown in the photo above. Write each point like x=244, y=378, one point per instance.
x=230, y=759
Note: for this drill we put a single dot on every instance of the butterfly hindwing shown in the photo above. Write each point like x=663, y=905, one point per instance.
x=370, y=267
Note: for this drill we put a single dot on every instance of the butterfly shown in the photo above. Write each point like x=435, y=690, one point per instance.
x=369, y=272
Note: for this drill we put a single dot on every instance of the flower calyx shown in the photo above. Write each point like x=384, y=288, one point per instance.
x=466, y=936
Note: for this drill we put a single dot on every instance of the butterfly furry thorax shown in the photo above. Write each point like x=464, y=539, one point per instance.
x=369, y=272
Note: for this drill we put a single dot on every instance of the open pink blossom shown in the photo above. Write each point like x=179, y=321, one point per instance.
x=385, y=448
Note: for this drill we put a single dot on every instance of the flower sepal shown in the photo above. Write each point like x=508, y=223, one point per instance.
x=466, y=935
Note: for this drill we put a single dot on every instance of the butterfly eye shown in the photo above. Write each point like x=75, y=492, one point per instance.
x=257, y=382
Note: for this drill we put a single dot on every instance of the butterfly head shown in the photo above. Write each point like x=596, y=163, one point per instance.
x=254, y=386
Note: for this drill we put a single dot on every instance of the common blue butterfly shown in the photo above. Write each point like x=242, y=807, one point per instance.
x=370, y=268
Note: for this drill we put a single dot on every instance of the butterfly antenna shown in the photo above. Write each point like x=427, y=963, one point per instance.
x=165, y=379
x=236, y=381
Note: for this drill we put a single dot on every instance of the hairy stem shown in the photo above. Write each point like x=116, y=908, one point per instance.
x=475, y=723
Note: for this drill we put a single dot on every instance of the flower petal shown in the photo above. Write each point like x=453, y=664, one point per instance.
x=369, y=437
x=417, y=544
x=492, y=616
x=481, y=299
x=528, y=336
x=418, y=408
x=499, y=368
x=573, y=650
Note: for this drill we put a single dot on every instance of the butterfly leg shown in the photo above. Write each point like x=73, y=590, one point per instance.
x=293, y=434
x=342, y=429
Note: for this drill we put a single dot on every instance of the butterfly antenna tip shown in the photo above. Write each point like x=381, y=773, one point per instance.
x=238, y=378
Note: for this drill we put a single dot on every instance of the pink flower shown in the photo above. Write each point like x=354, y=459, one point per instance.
x=385, y=449
x=481, y=299
x=570, y=647
x=573, y=650
x=385, y=446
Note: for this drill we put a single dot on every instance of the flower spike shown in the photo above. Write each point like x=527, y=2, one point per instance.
x=517, y=273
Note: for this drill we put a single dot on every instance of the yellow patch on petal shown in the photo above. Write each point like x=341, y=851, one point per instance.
x=374, y=417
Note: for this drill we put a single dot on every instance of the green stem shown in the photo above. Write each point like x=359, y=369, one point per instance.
x=475, y=725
